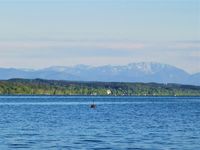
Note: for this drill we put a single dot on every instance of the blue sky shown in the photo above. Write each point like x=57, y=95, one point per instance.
x=42, y=33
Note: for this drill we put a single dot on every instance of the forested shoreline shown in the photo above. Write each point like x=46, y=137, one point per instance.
x=54, y=87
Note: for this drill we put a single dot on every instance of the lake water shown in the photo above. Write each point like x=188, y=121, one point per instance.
x=119, y=123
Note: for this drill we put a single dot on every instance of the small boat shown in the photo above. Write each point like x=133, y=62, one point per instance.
x=93, y=106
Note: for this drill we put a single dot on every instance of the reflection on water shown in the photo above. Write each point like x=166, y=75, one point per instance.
x=51, y=122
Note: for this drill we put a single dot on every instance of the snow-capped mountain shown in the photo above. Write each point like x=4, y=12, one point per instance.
x=134, y=72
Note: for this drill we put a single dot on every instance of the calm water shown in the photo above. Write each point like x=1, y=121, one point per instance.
x=146, y=123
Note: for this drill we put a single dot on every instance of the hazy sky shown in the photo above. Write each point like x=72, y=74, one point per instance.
x=42, y=33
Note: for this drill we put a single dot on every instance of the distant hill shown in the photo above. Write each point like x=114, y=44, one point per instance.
x=135, y=72
x=55, y=87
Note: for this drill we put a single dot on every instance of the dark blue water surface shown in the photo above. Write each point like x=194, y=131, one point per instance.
x=58, y=122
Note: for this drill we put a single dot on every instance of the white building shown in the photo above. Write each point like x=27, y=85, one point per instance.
x=108, y=92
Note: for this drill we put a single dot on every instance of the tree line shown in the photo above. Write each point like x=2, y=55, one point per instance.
x=54, y=87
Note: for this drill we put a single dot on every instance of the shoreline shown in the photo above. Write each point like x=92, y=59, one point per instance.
x=46, y=95
x=41, y=87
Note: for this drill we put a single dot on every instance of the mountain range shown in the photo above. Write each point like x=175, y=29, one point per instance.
x=134, y=72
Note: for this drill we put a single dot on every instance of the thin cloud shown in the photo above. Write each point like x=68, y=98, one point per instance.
x=70, y=44
x=185, y=45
